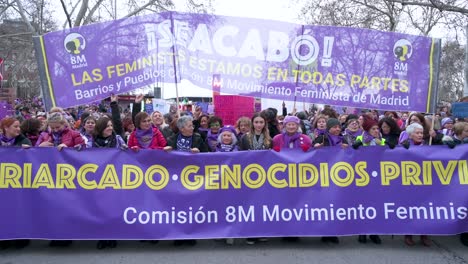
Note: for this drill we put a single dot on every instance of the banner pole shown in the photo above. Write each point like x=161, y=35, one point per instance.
x=432, y=128
x=175, y=67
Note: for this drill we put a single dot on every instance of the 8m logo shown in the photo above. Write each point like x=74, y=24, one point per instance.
x=75, y=44
x=402, y=50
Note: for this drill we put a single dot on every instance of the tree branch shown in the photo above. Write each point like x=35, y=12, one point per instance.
x=66, y=13
x=91, y=12
x=143, y=7
x=23, y=16
x=81, y=13
x=441, y=6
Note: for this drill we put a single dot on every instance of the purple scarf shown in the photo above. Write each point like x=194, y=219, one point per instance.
x=6, y=141
x=335, y=140
x=292, y=139
x=367, y=138
x=354, y=134
x=57, y=137
x=318, y=132
x=144, y=137
x=212, y=140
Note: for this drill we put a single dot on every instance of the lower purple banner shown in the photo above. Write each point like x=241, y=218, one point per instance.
x=113, y=194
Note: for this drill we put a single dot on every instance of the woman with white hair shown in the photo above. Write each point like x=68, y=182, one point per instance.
x=292, y=136
x=415, y=133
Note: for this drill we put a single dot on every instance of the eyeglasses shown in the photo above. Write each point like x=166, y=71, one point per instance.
x=353, y=124
x=215, y=124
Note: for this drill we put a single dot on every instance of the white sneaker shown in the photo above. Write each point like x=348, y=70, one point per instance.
x=230, y=241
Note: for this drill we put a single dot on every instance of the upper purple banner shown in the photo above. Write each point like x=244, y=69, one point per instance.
x=114, y=194
x=252, y=57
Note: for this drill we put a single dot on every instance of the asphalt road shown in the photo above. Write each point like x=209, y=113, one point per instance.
x=445, y=249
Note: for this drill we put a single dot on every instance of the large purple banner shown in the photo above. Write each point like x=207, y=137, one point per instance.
x=252, y=57
x=96, y=194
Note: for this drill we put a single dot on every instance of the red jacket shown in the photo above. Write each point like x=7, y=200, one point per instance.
x=70, y=138
x=158, y=141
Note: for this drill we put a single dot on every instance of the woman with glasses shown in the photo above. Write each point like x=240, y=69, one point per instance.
x=215, y=123
x=352, y=130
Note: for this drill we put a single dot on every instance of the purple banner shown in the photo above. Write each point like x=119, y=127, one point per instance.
x=99, y=193
x=259, y=58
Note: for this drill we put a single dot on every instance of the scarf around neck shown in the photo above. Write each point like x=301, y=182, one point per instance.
x=335, y=140
x=5, y=141
x=258, y=144
x=354, y=134
x=292, y=139
x=144, y=137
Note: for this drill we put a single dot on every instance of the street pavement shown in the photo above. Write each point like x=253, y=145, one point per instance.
x=445, y=249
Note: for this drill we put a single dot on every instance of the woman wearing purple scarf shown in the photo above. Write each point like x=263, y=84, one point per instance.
x=215, y=123
x=292, y=136
x=145, y=136
x=415, y=133
x=320, y=126
x=227, y=140
x=352, y=130
x=11, y=137
x=370, y=137
x=332, y=136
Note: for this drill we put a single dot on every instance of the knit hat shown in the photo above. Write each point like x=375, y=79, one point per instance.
x=351, y=117
x=228, y=128
x=291, y=119
x=446, y=120
x=368, y=123
x=331, y=122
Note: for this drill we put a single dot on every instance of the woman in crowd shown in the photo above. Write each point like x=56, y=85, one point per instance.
x=352, y=130
x=88, y=122
x=447, y=126
x=259, y=137
x=227, y=140
x=427, y=132
x=31, y=128
x=11, y=134
x=332, y=136
x=128, y=127
x=292, y=136
x=371, y=137
x=60, y=134
x=201, y=125
x=11, y=137
x=105, y=137
x=243, y=126
x=319, y=126
x=415, y=133
x=215, y=123
x=145, y=135
x=186, y=140
x=158, y=121
x=390, y=131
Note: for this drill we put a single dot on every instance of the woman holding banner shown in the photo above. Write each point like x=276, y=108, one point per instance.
x=11, y=137
x=415, y=133
x=186, y=140
x=145, y=135
x=60, y=135
x=258, y=138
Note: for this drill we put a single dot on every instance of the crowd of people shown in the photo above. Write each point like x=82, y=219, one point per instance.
x=94, y=127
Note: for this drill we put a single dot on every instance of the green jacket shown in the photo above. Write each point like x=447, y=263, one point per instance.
x=359, y=138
